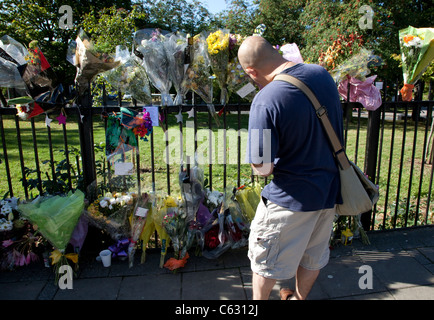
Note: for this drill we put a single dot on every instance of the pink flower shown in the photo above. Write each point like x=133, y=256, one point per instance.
x=7, y=243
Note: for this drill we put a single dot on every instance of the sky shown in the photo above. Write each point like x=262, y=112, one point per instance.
x=214, y=6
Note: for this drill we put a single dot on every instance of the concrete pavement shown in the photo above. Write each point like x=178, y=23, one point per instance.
x=397, y=265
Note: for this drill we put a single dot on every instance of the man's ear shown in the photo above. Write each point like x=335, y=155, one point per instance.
x=251, y=72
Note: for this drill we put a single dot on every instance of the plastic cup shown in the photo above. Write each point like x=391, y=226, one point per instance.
x=106, y=257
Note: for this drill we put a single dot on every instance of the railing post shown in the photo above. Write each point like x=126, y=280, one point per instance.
x=87, y=142
x=371, y=157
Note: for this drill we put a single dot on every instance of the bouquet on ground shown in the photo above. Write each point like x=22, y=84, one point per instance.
x=237, y=225
x=248, y=198
x=56, y=217
x=417, y=52
x=154, y=58
x=138, y=221
x=130, y=77
x=218, y=50
x=181, y=232
x=160, y=207
x=238, y=81
x=20, y=245
x=110, y=213
x=198, y=76
x=149, y=228
x=175, y=45
x=191, y=183
x=215, y=240
x=89, y=59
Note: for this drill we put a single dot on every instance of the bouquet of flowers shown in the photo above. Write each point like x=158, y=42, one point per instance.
x=110, y=213
x=191, y=183
x=237, y=225
x=175, y=46
x=197, y=77
x=155, y=61
x=56, y=218
x=138, y=221
x=149, y=228
x=29, y=69
x=21, y=249
x=248, y=198
x=130, y=77
x=19, y=243
x=358, y=66
x=214, y=235
x=417, y=51
x=355, y=71
x=238, y=80
x=218, y=50
x=90, y=60
x=160, y=208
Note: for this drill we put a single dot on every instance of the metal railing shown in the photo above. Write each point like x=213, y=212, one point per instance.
x=394, y=146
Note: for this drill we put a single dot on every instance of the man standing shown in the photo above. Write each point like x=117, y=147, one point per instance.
x=291, y=231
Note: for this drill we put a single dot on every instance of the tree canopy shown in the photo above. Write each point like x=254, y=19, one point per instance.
x=326, y=31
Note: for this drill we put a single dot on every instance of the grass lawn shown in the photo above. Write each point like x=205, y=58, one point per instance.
x=397, y=194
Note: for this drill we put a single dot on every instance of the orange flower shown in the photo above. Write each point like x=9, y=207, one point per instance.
x=408, y=38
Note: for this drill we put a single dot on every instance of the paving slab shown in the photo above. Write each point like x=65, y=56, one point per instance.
x=223, y=284
x=340, y=278
x=151, y=287
x=91, y=289
x=414, y=293
x=397, y=269
x=24, y=290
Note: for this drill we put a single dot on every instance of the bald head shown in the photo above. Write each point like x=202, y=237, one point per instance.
x=258, y=53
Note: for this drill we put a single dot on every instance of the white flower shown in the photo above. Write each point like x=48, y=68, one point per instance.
x=103, y=203
x=415, y=42
x=110, y=207
x=6, y=209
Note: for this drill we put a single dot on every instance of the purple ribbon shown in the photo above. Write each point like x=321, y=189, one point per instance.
x=120, y=249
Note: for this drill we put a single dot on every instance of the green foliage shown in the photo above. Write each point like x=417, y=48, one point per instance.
x=178, y=15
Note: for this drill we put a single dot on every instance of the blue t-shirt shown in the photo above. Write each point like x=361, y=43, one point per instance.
x=284, y=129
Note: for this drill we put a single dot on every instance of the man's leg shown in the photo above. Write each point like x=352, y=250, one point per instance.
x=304, y=282
x=262, y=287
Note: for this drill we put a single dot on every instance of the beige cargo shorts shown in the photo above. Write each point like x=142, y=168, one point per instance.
x=281, y=240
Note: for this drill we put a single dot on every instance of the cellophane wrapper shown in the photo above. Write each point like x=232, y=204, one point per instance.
x=111, y=212
x=138, y=222
x=155, y=61
x=417, y=51
x=12, y=55
x=55, y=216
x=192, y=192
x=248, y=198
x=218, y=50
x=130, y=77
x=88, y=61
x=197, y=77
x=175, y=45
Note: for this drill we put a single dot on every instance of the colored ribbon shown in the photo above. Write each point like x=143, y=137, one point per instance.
x=56, y=255
x=120, y=249
x=407, y=92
